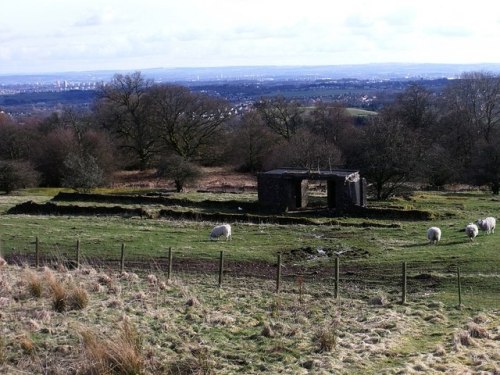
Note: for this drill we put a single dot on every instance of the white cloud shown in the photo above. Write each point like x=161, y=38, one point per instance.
x=89, y=34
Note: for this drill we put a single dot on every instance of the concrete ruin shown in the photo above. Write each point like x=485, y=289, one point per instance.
x=287, y=188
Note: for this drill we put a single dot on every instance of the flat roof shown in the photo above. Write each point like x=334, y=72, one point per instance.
x=311, y=173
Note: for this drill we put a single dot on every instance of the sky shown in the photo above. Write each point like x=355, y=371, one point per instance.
x=82, y=35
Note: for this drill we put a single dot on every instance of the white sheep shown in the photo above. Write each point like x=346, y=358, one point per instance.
x=434, y=235
x=221, y=230
x=471, y=230
x=488, y=225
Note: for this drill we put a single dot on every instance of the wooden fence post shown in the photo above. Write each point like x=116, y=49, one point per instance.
x=169, y=272
x=337, y=277
x=221, y=267
x=278, y=275
x=37, y=252
x=122, y=259
x=404, y=278
x=77, y=253
x=459, y=289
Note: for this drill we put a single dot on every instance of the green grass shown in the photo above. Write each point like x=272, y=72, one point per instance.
x=358, y=112
x=385, y=248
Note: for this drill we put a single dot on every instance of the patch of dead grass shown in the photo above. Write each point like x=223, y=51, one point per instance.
x=121, y=354
x=242, y=328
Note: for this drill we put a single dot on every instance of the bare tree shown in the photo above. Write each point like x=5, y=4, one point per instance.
x=16, y=174
x=251, y=143
x=330, y=121
x=437, y=166
x=15, y=141
x=469, y=119
x=476, y=97
x=282, y=116
x=386, y=155
x=305, y=150
x=185, y=121
x=50, y=153
x=415, y=108
x=121, y=108
x=485, y=164
x=81, y=122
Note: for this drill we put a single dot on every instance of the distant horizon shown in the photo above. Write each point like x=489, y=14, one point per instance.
x=260, y=66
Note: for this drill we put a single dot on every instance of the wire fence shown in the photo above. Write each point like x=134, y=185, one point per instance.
x=407, y=281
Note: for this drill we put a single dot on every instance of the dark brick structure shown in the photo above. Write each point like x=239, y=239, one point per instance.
x=286, y=188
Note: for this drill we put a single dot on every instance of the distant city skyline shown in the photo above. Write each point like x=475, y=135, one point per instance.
x=85, y=35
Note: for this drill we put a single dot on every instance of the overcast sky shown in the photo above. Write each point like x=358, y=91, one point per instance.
x=79, y=35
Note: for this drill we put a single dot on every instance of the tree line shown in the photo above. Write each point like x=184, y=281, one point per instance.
x=134, y=123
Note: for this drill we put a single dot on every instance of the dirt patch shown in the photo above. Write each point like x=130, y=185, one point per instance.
x=214, y=179
x=310, y=253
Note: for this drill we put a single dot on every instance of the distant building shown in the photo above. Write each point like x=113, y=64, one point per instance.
x=286, y=188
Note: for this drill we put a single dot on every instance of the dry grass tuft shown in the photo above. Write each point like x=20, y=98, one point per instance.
x=27, y=345
x=481, y=318
x=64, y=298
x=49, y=276
x=326, y=337
x=61, y=268
x=115, y=304
x=33, y=325
x=463, y=339
x=379, y=300
x=140, y=296
x=119, y=355
x=193, y=302
x=440, y=351
x=42, y=315
x=326, y=340
x=104, y=279
x=3, y=351
x=435, y=318
x=35, y=284
x=5, y=284
x=59, y=297
x=200, y=363
x=3, y=262
x=152, y=279
x=4, y=302
x=78, y=299
x=189, y=366
x=218, y=318
x=478, y=332
x=87, y=271
x=421, y=367
x=114, y=289
x=267, y=330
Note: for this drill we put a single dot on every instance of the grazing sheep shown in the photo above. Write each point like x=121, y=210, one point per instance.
x=471, y=230
x=221, y=230
x=434, y=235
x=488, y=225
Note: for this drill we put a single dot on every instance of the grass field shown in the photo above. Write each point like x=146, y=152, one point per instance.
x=376, y=247
x=188, y=325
